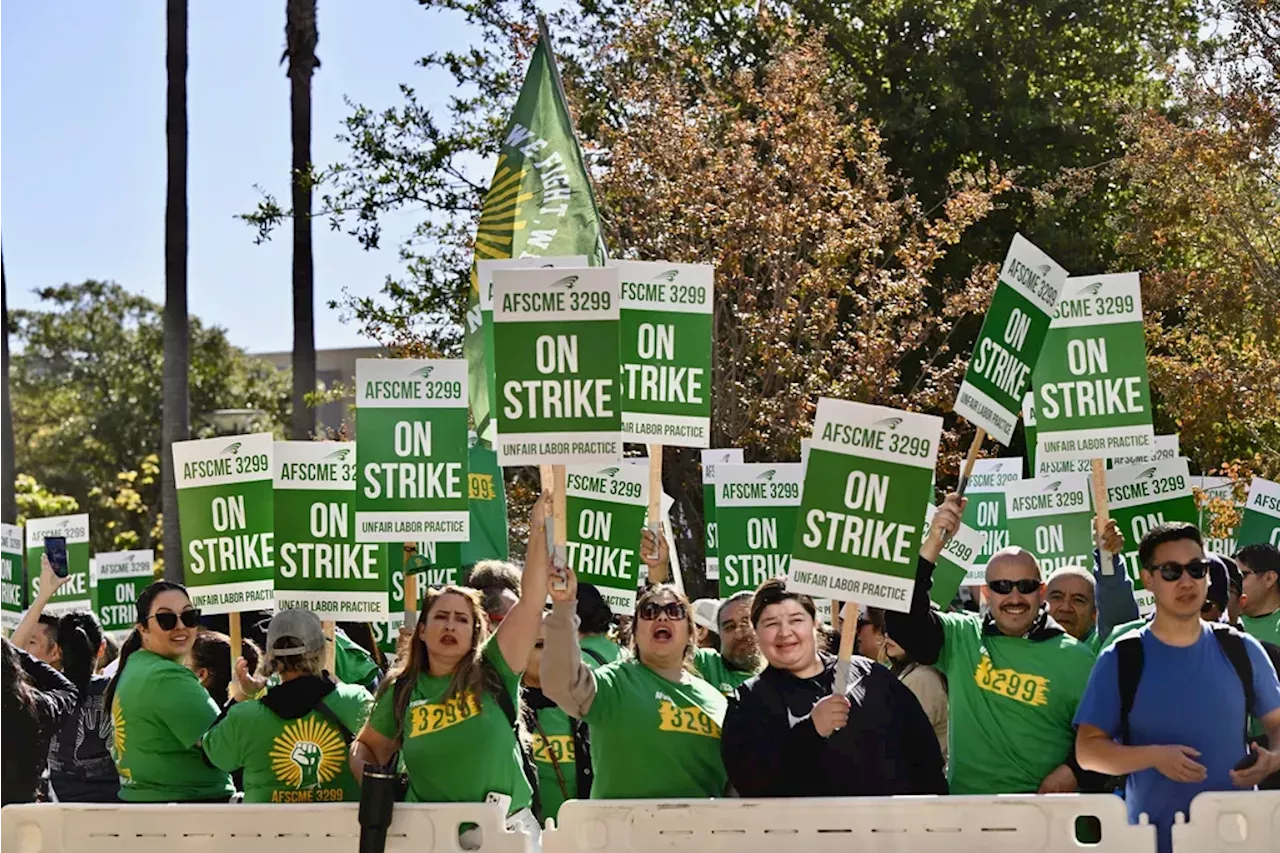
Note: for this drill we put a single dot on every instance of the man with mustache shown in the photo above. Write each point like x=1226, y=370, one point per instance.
x=739, y=656
x=1015, y=676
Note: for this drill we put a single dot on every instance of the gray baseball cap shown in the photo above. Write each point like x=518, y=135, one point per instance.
x=302, y=625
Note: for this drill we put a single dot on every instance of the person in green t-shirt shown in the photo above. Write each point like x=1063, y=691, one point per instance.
x=352, y=662
x=1014, y=676
x=738, y=657
x=292, y=742
x=595, y=618
x=159, y=709
x=559, y=742
x=1260, y=565
x=655, y=727
x=449, y=705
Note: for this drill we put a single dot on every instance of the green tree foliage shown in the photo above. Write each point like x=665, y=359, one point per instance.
x=87, y=399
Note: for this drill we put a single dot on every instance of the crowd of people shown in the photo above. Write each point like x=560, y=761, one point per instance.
x=1054, y=685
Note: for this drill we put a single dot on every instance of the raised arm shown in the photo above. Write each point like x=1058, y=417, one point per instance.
x=566, y=680
x=49, y=583
x=1116, y=603
x=920, y=631
x=519, y=630
x=55, y=696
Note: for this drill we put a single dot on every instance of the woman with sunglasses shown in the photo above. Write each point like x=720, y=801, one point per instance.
x=655, y=727
x=160, y=710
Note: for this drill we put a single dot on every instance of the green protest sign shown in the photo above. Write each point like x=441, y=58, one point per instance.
x=75, y=593
x=10, y=576
x=1222, y=488
x=1261, y=519
x=439, y=564
x=1166, y=447
x=487, y=504
x=958, y=564
x=756, y=506
x=1141, y=496
x=666, y=352
x=119, y=578
x=984, y=511
x=1093, y=400
x=320, y=567
x=866, y=486
x=556, y=357
x=1009, y=344
x=1052, y=518
x=411, y=457
x=225, y=510
x=605, y=511
x=484, y=282
x=710, y=459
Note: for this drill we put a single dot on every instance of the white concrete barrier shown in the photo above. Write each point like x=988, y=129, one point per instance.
x=1003, y=824
x=1230, y=822
x=326, y=828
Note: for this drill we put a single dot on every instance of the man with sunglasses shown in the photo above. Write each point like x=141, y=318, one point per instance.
x=1260, y=565
x=1015, y=676
x=1170, y=741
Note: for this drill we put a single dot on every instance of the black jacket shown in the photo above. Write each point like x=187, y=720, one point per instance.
x=26, y=737
x=771, y=748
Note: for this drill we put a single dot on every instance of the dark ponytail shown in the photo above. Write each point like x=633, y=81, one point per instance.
x=134, y=642
x=79, y=637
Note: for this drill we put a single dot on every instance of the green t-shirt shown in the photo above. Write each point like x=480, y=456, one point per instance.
x=1011, y=705
x=1265, y=628
x=602, y=646
x=353, y=664
x=715, y=670
x=468, y=735
x=557, y=743
x=652, y=738
x=1092, y=641
x=160, y=712
x=1120, y=630
x=291, y=761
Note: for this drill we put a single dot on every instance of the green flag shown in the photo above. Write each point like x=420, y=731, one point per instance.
x=488, y=507
x=539, y=204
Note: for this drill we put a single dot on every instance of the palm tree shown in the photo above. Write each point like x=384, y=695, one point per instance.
x=9, y=512
x=300, y=52
x=175, y=421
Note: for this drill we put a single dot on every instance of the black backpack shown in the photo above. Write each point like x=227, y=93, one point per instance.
x=1129, y=672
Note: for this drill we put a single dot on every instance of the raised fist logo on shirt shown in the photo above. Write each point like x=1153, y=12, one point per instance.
x=307, y=756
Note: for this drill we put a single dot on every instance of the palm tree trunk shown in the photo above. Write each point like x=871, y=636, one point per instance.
x=9, y=512
x=300, y=51
x=175, y=424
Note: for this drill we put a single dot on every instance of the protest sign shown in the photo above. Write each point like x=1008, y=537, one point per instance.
x=958, y=563
x=666, y=352
x=1093, y=400
x=411, y=457
x=606, y=508
x=1261, y=519
x=119, y=578
x=10, y=576
x=1052, y=518
x=319, y=566
x=866, y=487
x=436, y=564
x=1009, y=344
x=756, y=506
x=75, y=593
x=1139, y=498
x=710, y=459
x=1165, y=447
x=984, y=511
x=225, y=510
x=484, y=282
x=556, y=357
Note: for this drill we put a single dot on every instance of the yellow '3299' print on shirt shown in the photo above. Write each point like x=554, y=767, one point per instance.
x=427, y=718
x=1018, y=686
x=690, y=721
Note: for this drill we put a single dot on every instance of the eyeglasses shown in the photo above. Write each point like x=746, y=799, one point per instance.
x=651, y=610
x=1173, y=571
x=169, y=621
x=1026, y=586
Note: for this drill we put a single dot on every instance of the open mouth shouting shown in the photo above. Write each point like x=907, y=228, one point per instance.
x=662, y=633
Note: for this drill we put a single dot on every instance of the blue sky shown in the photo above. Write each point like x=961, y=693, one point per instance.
x=83, y=152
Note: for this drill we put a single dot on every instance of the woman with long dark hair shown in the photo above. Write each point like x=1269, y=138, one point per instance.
x=210, y=660
x=159, y=709
x=37, y=701
x=450, y=704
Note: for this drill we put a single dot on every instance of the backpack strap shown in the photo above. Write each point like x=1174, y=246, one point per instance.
x=1233, y=647
x=1128, y=673
x=325, y=711
x=530, y=769
x=595, y=655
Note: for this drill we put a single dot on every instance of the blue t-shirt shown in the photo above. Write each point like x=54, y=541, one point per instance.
x=1188, y=696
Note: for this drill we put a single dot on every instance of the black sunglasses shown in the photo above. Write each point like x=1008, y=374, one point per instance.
x=1173, y=571
x=169, y=621
x=1026, y=586
x=651, y=610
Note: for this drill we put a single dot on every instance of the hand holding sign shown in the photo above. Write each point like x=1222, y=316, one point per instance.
x=657, y=555
x=562, y=585
x=945, y=523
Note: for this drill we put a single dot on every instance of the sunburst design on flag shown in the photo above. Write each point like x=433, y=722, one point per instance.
x=498, y=222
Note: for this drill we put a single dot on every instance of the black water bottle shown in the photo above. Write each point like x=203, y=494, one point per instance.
x=377, y=799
